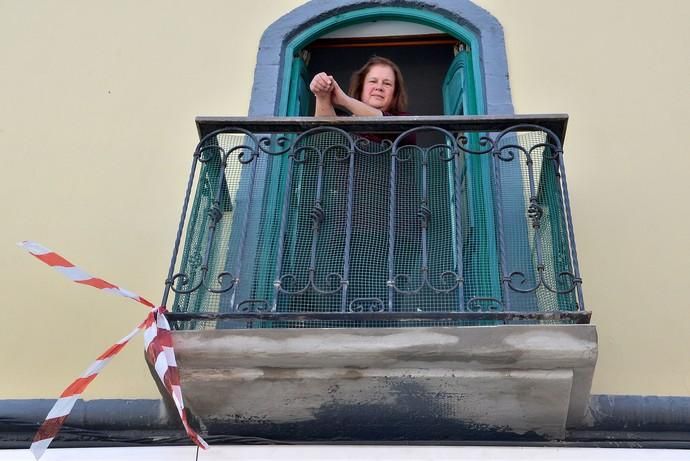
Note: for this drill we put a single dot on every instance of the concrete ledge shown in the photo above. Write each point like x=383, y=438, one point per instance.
x=522, y=379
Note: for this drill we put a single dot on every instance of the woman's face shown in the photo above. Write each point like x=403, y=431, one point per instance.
x=379, y=87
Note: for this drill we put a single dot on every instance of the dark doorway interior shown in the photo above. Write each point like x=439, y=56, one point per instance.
x=423, y=62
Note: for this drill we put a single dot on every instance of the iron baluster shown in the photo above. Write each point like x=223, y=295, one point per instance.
x=505, y=279
x=577, y=280
x=424, y=215
x=457, y=181
x=391, y=229
x=216, y=214
x=281, y=233
x=348, y=228
x=243, y=234
x=180, y=227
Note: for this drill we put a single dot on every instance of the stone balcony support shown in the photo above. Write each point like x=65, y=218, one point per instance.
x=438, y=382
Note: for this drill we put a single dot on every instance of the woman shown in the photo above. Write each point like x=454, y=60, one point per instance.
x=376, y=89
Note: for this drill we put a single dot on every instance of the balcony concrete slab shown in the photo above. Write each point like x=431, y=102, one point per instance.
x=518, y=379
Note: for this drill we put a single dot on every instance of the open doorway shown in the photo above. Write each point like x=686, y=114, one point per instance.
x=441, y=73
x=423, y=59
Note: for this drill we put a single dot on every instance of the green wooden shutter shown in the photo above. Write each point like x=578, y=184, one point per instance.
x=300, y=99
x=480, y=255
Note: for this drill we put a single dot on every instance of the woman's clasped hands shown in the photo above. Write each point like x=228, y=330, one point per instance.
x=327, y=91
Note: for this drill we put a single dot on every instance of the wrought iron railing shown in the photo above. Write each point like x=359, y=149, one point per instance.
x=376, y=222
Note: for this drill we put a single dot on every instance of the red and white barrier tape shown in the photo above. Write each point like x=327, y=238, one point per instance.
x=157, y=342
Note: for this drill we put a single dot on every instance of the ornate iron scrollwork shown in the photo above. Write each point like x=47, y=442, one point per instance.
x=284, y=283
x=366, y=305
x=572, y=281
x=450, y=278
x=225, y=280
x=485, y=142
x=475, y=304
x=421, y=213
x=253, y=305
x=535, y=212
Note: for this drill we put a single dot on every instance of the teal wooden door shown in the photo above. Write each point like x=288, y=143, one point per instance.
x=277, y=183
x=458, y=87
x=478, y=255
x=300, y=99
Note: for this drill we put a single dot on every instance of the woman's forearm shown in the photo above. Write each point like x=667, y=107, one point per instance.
x=357, y=107
x=324, y=107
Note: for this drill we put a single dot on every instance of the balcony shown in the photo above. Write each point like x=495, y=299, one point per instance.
x=380, y=278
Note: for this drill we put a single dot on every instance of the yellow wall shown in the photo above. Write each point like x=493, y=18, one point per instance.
x=97, y=101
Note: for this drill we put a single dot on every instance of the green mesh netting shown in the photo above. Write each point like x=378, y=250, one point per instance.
x=311, y=232
x=522, y=239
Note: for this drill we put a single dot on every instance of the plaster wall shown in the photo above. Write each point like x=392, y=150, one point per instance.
x=97, y=102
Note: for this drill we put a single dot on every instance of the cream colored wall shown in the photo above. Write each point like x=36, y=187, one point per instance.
x=620, y=69
x=97, y=101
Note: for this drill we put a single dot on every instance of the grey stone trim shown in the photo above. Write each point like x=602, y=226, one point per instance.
x=605, y=412
x=613, y=420
x=117, y=414
x=271, y=54
x=638, y=413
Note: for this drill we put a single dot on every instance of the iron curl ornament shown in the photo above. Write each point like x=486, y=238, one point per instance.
x=363, y=146
x=281, y=142
x=225, y=282
x=253, y=305
x=524, y=127
x=475, y=304
x=300, y=144
x=449, y=278
x=286, y=281
x=366, y=305
x=486, y=144
x=519, y=278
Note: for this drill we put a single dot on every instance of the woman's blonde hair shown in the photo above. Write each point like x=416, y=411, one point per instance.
x=399, y=101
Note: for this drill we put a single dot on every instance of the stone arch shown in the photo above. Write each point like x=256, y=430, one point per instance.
x=269, y=74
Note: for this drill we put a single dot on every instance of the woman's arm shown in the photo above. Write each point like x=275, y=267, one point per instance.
x=322, y=87
x=354, y=106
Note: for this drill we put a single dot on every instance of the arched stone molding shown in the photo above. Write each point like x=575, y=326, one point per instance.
x=269, y=74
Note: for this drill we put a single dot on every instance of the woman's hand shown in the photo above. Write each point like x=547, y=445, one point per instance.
x=322, y=85
x=338, y=96
x=329, y=95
